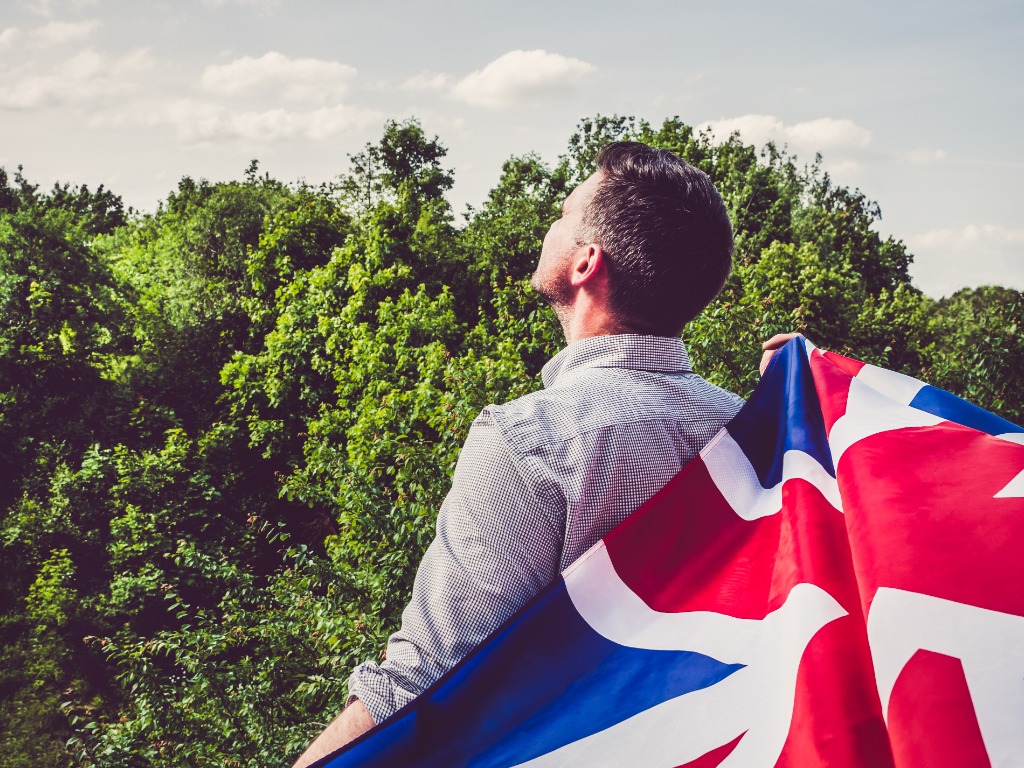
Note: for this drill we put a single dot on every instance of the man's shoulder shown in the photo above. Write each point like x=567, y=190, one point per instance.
x=606, y=397
x=533, y=420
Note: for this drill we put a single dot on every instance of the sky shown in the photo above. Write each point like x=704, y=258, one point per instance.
x=917, y=104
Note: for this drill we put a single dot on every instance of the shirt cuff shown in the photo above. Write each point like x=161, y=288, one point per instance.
x=378, y=692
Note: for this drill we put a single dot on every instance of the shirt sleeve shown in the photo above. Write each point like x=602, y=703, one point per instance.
x=498, y=544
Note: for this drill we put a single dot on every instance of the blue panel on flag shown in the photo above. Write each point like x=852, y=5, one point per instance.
x=952, y=408
x=541, y=683
x=783, y=415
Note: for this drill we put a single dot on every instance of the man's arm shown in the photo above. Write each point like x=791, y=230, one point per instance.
x=495, y=547
x=353, y=721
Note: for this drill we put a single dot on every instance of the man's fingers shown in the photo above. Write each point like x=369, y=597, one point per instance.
x=771, y=345
x=778, y=340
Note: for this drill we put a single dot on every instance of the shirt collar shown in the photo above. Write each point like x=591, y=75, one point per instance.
x=662, y=354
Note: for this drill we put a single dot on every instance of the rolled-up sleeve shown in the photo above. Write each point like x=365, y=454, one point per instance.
x=498, y=543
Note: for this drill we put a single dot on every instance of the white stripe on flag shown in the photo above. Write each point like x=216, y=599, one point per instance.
x=755, y=702
x=870, y=412
x=896, y=386
x=738, y=483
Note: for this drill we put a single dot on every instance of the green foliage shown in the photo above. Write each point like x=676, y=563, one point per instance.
x=61, y=319
x=503, y=236
x=978, y=348
x=52, y=594
x=33, y=681
x=234, y=681
x=229, y=424
x=186, y=272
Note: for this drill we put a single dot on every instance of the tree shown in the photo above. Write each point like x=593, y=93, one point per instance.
x=62, y=322
x=977, y=348
x=62, y=330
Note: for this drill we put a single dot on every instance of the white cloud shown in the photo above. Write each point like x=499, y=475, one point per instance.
x=9, y=36
x=308, y=80
x=54, y=33
x=202, y=122
x=45, y=7
x=946, y=260
x=427, y=81
x=88, y=78
x=60, y=32
x=42, y=7
x=843, y=144
x=753, y=129
x=522, y=78
x=829, y=133
x=923, y=156
x=824, y=133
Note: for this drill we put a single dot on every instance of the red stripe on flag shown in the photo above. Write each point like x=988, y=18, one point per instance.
x=931, y=717
x=832, y=383
x=686, y=550
x=837, y=717
x=715, y=757
x=845, y=364
x=922, y=516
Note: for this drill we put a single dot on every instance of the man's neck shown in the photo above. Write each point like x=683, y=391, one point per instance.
x=570, y=337
x=585, y=319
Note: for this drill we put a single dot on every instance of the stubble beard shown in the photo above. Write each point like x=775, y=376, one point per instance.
x=556, y=291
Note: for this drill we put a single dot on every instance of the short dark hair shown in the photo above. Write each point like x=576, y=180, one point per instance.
x=665, y=233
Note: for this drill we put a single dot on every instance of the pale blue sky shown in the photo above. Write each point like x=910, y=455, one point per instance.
x=918, y=104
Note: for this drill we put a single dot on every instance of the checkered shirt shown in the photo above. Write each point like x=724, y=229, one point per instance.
x=538, y=482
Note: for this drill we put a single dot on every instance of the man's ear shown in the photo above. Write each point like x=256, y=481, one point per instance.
x=588, y=265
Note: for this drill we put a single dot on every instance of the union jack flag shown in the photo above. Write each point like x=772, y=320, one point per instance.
x=837, y=580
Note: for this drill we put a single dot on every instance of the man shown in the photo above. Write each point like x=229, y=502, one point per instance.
x=641, y=248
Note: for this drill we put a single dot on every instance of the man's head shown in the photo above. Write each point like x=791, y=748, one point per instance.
x=663, y=233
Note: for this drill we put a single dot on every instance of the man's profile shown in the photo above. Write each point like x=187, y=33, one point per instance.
x=642, y=246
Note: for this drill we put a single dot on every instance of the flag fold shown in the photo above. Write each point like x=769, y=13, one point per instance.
x=837, y=580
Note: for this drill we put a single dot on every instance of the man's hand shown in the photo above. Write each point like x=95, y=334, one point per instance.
x=771, y=345
x=355, y=720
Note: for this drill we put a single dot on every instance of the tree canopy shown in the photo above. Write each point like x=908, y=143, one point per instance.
x=227, y=425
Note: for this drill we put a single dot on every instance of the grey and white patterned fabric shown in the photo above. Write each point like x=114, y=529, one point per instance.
x=538, y=482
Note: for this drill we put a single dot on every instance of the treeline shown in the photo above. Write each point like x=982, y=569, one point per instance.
x=226, y=426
